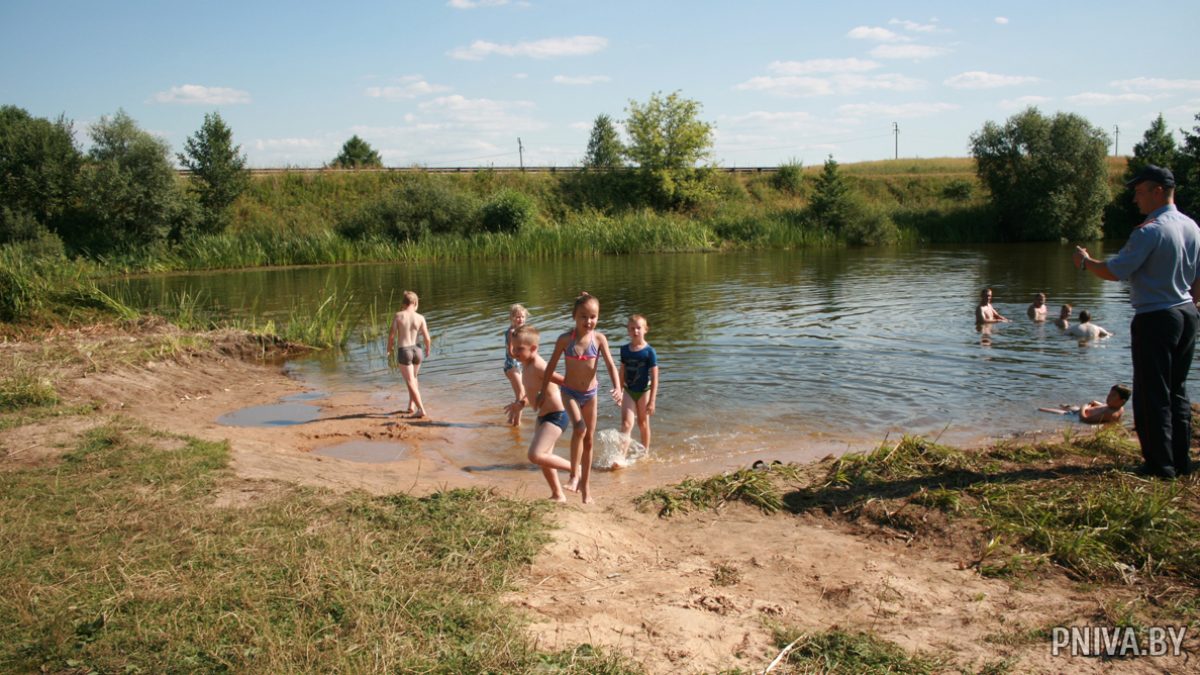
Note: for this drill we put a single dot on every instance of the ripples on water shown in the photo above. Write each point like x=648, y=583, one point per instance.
x=758, y=350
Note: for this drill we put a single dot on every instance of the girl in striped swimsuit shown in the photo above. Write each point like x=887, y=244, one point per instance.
x=582, y=349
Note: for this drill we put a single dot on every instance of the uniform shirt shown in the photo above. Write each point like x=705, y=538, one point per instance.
x=1160, y=261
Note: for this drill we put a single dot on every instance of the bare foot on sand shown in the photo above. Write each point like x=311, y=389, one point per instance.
x=561, y=499
x=572, y=484
x=586, y=497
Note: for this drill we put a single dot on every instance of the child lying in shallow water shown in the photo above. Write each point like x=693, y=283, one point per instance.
x=1095, y=412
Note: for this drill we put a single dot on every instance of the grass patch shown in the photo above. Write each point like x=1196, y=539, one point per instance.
x=1110, y=527
x=750, y=486
x=839, y=652
x=119, y=559
x=1071, y=503
x=24, y=388
x=912, y=457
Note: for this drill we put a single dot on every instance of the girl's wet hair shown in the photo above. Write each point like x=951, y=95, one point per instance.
x=582, y=300
x=518, y=309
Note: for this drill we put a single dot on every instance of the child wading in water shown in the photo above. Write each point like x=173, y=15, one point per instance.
x=582, y=349
x=517, y=315
x=639, y=379
x=407, y=325
x=551, y=415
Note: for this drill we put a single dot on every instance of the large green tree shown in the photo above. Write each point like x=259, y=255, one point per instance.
x=1156, y=147
x=218, y=169
x=667, y=133
x=39, y=173
x=357, y=154
x=604, y=150
x=1047, y=175
x=131, y=195
x=1187, y=171
x=667, y=140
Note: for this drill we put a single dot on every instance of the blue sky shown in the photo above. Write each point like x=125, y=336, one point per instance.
x=457, y=82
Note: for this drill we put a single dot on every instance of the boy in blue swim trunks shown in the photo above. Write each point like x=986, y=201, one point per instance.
x=552, y=417
x=639, y=379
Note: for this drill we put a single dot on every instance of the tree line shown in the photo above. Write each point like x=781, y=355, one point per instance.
x=1046, y=176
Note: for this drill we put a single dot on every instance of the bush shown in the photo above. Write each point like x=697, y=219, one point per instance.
x=789, y=177
x=958, y=190
x=508, y=211
x=20, y=230
x=868, y=226
x=417, y=208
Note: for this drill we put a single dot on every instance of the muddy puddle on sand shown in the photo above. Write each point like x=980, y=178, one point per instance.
x=370, y=452
x=277, y=415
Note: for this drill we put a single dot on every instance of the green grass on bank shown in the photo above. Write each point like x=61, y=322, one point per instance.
x=840, y=652
x=134, y=553
x=1073, y=504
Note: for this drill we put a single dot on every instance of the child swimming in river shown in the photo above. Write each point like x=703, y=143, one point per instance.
x=517, y=315
x=1095, y=412
x=582, y=348
x=407, y=325
x=639, y=379
x=551, y=415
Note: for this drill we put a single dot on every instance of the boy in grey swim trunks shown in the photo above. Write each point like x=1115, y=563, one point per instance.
x=407, y=326
x=551, y=415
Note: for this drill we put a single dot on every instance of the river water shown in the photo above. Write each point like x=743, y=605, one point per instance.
x=789, y=353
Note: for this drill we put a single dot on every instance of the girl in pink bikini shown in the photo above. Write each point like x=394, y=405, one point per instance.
x=582, y=349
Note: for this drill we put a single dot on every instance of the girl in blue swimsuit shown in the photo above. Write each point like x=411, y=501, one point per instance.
x=582, y=349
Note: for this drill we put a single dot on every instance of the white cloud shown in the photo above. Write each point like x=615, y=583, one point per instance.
x=1156, y=84
x=978, y=79
x=472, y=4
x=581, y=126
x=845, y=83
x=913, y=52
x=1002, y=20
x=900, y=110
x=288, y=143
x=1024, y=101
x=409, y=86
x=821, y=66
x=481, y=114
x=578, y=45
x=581, y=79
x=1095, y=98
x=520, y=76
x=195, y=94
x=875, y=33
x=914, y=26
x=775, y=121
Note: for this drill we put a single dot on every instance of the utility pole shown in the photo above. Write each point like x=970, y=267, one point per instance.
x=521, y=152
x=1116, y=141
x=896, y=133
